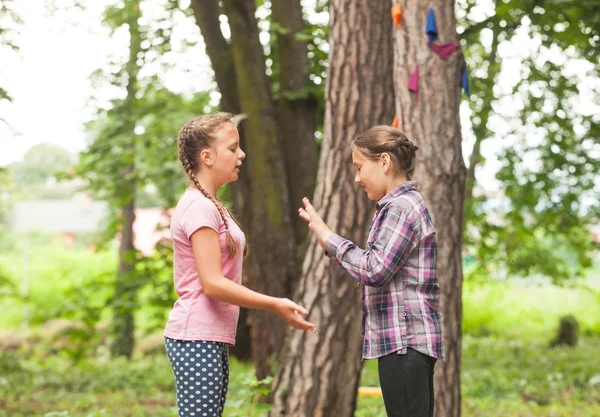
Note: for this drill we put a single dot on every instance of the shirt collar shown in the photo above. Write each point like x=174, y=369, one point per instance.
x=398, y=191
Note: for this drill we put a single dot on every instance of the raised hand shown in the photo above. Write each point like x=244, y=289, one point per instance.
x=315, y=222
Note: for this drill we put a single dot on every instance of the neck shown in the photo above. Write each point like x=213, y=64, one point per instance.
x=396, y=181
x=208, y=184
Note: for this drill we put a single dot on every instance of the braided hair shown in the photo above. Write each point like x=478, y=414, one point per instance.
x=196, y=135
x=386, y=139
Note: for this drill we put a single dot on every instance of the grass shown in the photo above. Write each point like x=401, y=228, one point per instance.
x=500, y=377
x=507, y=367
x=525, y=311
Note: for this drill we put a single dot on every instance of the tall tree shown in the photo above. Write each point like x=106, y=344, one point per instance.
x=269, y=223
x=120, y=168
x=207, y=14
x=430, y=118
x=278, y=137
x=133, y=144
x=296, y=108
x=314, y=379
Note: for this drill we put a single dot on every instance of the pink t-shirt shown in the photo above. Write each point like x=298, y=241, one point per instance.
x=195, y=316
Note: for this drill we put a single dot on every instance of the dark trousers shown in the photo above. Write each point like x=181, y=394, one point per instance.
x=407, y=384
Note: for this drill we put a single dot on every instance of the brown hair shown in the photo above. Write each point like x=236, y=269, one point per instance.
x=386, y=139
x=196, y=135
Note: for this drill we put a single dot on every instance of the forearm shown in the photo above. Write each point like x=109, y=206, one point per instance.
x=366, y=266
x=225, y=290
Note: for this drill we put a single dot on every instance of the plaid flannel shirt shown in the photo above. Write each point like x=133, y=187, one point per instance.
x=398, y=269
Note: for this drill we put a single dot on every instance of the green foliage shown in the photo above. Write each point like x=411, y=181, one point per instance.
x=549, y=168
x=156, y=294
x=38, y=175
x=10, y=20
x=7, y=186
x=63, y=282
x=315, y=35
x=133, y=144
x=526, y=310
x=248, y=391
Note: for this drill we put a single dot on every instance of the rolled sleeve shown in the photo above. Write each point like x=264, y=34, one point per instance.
x=375, y=266
x=332, y=244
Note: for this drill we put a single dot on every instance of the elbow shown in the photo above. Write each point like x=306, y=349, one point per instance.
x=374, y=282
x=210, y=288
x=377, y=278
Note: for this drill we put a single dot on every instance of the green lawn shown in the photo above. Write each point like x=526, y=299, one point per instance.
x=499, y=378
x=507, y=367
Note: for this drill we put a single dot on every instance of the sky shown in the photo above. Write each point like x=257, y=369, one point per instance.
x=49, y=78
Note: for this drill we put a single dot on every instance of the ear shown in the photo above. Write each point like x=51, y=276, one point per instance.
x=386, y=162
x=207, y=156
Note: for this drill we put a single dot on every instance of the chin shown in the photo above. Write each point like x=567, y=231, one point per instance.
x=374, y=197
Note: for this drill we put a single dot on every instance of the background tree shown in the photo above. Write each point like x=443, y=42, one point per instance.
x=36, y=176
x=278, y=137
x=40, y=163
x=109, y=166
x=133, y=145
x=313, y=378
x=430, y=118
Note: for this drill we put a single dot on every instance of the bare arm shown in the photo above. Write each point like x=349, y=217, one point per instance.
x=207, y=254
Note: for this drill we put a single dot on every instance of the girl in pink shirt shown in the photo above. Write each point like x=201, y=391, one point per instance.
x=209, y=247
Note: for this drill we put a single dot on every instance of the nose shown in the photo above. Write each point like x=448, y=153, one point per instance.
x=242, y=154
x=357, y=178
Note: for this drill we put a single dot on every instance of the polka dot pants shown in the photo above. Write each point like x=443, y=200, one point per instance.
x=201, y=375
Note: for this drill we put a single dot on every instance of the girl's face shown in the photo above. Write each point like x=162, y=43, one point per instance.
x=226, y=155
x=370, y=174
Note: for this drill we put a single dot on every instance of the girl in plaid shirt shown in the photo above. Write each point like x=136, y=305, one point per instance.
x=402, y=323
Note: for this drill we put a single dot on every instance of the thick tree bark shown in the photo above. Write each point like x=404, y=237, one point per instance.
x=272, y=262
x=206, y=13
x=125, y=293
x=296, y=115
x=433, y=123
x=319, y=373
x=219, y=51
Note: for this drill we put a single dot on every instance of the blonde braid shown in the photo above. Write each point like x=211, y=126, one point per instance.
x=189, y=169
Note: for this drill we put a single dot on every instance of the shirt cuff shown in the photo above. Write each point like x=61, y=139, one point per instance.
x=332, y=244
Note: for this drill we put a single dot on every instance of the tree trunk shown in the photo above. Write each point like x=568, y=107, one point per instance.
x=433, y=123
x=219, y=51
x=125, y=292
x=319, y=373
x=124, y=299
x=272, y=263
x=296, y=111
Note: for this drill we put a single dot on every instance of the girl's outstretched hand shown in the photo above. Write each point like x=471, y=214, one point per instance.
x=292, y=313
x=315, y=222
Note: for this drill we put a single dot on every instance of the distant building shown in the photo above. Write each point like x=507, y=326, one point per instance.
x=78, y=215
x=83, y=216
